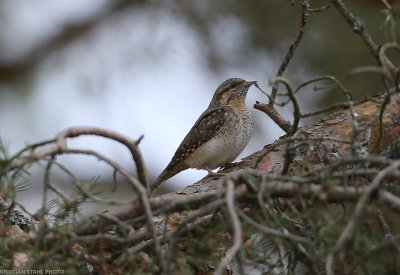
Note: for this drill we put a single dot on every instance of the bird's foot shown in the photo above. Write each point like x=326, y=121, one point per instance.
x=213, y=174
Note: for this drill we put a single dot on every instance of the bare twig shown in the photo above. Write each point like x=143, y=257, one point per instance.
x=130, y=144
x=358, y=27
x=142, y=192
x=384, y=224
x=236, y=228
x=283, y=123
x=390, y=200
x=273, y=232
x=82, y=190
x=295, y=102
x=310, y=184
x=141, y=187
x=373, y=187
x=269, y=108
x=44, y=210
x=306, y=12
x=387, y=243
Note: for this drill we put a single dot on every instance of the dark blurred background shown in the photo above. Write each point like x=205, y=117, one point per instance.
x=151, y=68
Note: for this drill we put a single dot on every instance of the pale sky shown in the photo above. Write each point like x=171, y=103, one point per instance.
x=143, y=73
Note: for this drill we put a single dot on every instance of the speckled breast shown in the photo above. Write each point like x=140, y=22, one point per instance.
x=227, y=144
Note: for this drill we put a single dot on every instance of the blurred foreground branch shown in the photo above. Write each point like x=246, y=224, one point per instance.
x=323, y=198
x=328, y=164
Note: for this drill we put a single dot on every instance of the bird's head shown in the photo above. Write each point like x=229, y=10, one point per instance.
x=231, y=92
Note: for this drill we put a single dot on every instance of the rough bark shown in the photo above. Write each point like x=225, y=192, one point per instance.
x=319, y=146
x=322, y=143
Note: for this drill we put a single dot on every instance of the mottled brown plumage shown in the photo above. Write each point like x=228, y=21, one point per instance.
x=218, y=136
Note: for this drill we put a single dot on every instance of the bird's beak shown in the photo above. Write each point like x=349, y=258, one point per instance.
x=249, y=83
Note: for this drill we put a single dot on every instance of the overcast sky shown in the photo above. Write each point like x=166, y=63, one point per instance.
x=142, y=72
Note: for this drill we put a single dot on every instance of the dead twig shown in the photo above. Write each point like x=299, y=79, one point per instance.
x=347, y=232
x=358, y=26
x=269, y=109
x=235, y=225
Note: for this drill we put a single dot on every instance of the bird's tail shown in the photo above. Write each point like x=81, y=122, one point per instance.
x=171, y=170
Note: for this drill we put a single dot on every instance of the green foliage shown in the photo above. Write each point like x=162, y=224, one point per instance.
x=391, y=23
x=289, y=234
